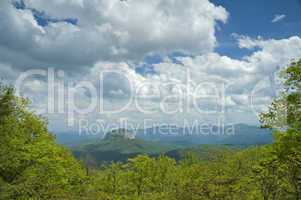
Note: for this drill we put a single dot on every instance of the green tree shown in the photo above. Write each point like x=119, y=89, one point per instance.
x=31, y=164
x=285, y=158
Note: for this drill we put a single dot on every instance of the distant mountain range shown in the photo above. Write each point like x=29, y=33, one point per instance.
x=118, y=145
x=239, y=134
x=121, y=144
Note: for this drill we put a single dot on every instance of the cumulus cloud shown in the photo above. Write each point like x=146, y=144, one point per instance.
x=278, y=18
x=111, y=38
x=251, y=82
x=108, y=30
x=206, y=83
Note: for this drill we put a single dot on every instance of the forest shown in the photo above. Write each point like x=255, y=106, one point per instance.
x=33, y=166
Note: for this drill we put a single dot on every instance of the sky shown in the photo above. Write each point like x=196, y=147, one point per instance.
x=255, y=18
x=89, y=64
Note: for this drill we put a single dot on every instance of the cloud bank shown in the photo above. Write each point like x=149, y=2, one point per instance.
x=87, y=39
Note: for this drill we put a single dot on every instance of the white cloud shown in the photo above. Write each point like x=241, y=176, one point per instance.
x=278, y=18
x=249, y=82
x=242, y=75
x=274, y=53
x=108, y=30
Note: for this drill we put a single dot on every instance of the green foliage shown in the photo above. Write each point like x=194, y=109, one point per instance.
x=280, y=173
x=223, y=176
x=117, y=148
x=31, y=164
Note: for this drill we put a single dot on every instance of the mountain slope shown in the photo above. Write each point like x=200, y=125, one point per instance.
x=118, y=146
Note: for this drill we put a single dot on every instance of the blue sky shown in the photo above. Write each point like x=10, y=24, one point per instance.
x=253, y=18
x=41, y=17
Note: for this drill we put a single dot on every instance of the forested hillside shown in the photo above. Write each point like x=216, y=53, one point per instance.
x=118, y=148
x=33, y=166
